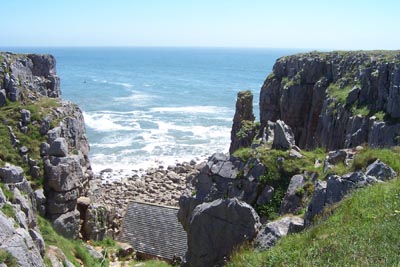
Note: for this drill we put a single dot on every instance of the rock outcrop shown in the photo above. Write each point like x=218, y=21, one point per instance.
x=335, y=100
x=23, y=75
x=336, y=187
x=273, y=231
x=243, y=128
x=216, y=228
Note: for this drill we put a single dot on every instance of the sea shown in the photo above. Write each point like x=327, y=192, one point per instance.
x=151, y=106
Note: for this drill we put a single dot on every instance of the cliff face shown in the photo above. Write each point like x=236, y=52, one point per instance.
x=336, y=100
x=36, y=73
x=46, y=137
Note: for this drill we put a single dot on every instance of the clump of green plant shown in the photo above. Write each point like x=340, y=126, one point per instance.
x=247, y=130
x=337, y=92
x=8, y=210
x=7, y=193
x=244, y=153
x=8, y=259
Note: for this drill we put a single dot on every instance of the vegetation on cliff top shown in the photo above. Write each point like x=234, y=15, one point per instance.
x=10, y=116
x=362, y=230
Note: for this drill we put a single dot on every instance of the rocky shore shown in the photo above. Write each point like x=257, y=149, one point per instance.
x=161, y=185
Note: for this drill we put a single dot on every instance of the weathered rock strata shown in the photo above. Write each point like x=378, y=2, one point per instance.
x=329, y=99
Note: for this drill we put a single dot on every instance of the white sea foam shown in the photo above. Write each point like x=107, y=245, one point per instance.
x=192, y=109
x=123, y=84
x=106, y=122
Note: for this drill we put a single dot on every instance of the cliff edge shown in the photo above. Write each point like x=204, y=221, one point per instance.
x=337, y=99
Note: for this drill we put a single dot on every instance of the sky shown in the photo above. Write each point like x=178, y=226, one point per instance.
x=306, y=24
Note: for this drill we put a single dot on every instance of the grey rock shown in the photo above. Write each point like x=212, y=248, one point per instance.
x=242, y=135
x=3, y=198
x=44, y=149
x=45, y=126
x=296, y=92
x=14, y=94
x=40, y=200
x=283, y=136
x=67, y=224
x=335, y=157
x=57, y=257
x=53, y=134
x=292, y=201
x=266, y=195
x=218, y=227
x=338, y=187
x=13, y=137
x=94, y=226
x=25, y=117
x=23, y=150
x=63, y=174
x=38, y=240
x=56, y=208
x=3, y=99
x=295, y=154
x=26, y=207
x=19, y=243
x=353, y=95
x=95, y=254
x=380, y=170
x=58, y=148
x=317, y=203
x=273, y=231
x=12, y=174
x=35, y=172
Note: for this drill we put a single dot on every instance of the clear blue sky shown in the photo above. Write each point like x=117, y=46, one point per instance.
x=319, y=24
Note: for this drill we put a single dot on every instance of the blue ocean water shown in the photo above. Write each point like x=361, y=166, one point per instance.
x=145, y=106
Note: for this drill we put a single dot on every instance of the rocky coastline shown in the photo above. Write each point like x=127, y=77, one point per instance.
x=278, y=176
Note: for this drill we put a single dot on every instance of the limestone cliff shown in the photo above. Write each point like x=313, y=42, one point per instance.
x=44, y=152
x=337, y=99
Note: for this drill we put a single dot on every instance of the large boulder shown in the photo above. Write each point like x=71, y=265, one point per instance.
x=271, y=232
x=380, y=171
x=11, y=174
x=63, y=174
x=67, y=224
x=13, y=177
x=25, y=117
x=58, y=148
x=216, y=228
x=283, y=136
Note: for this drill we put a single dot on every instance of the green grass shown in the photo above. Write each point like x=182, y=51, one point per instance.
x=338, y=93
x=362, y=231
x=73, y=249
x=8, y=210
x=7, y=193
x=7, y=259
